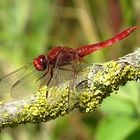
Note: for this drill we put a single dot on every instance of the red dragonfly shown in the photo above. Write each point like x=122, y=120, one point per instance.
x=46, y=66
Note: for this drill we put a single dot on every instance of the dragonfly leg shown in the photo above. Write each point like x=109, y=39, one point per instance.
x=50, y=77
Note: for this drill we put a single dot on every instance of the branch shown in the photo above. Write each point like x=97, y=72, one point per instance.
x=92, y=85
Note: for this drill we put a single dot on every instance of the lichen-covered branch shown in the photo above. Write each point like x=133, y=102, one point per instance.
x=93, y=84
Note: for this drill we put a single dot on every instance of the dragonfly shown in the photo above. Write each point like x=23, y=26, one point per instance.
x=44, y=68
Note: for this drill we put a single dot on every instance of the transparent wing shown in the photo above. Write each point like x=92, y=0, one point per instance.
x=7, y=81
x=28, y=84
x=67, y=72
x=20, y=82
x=60, y=74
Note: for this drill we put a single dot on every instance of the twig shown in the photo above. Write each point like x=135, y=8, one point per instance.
x=96, y=83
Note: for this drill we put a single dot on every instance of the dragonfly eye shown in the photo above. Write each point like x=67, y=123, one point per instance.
x=40, y=63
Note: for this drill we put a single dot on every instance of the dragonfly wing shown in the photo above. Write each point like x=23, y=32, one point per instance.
x=28, y=84
x=7, y=81
x=22, y=82
x=64, y=73
x=55, y=79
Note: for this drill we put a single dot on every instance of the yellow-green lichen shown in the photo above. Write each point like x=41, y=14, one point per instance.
x=88, y=102
x=46, y=108
x=112, y=76
x=108, y=79
x=5, y=115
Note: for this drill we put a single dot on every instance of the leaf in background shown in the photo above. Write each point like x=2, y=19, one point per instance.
x=116, y=127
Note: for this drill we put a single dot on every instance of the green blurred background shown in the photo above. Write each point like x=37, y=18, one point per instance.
x=29, y=27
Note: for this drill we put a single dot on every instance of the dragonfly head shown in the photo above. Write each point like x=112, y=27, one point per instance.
x=40, y=63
